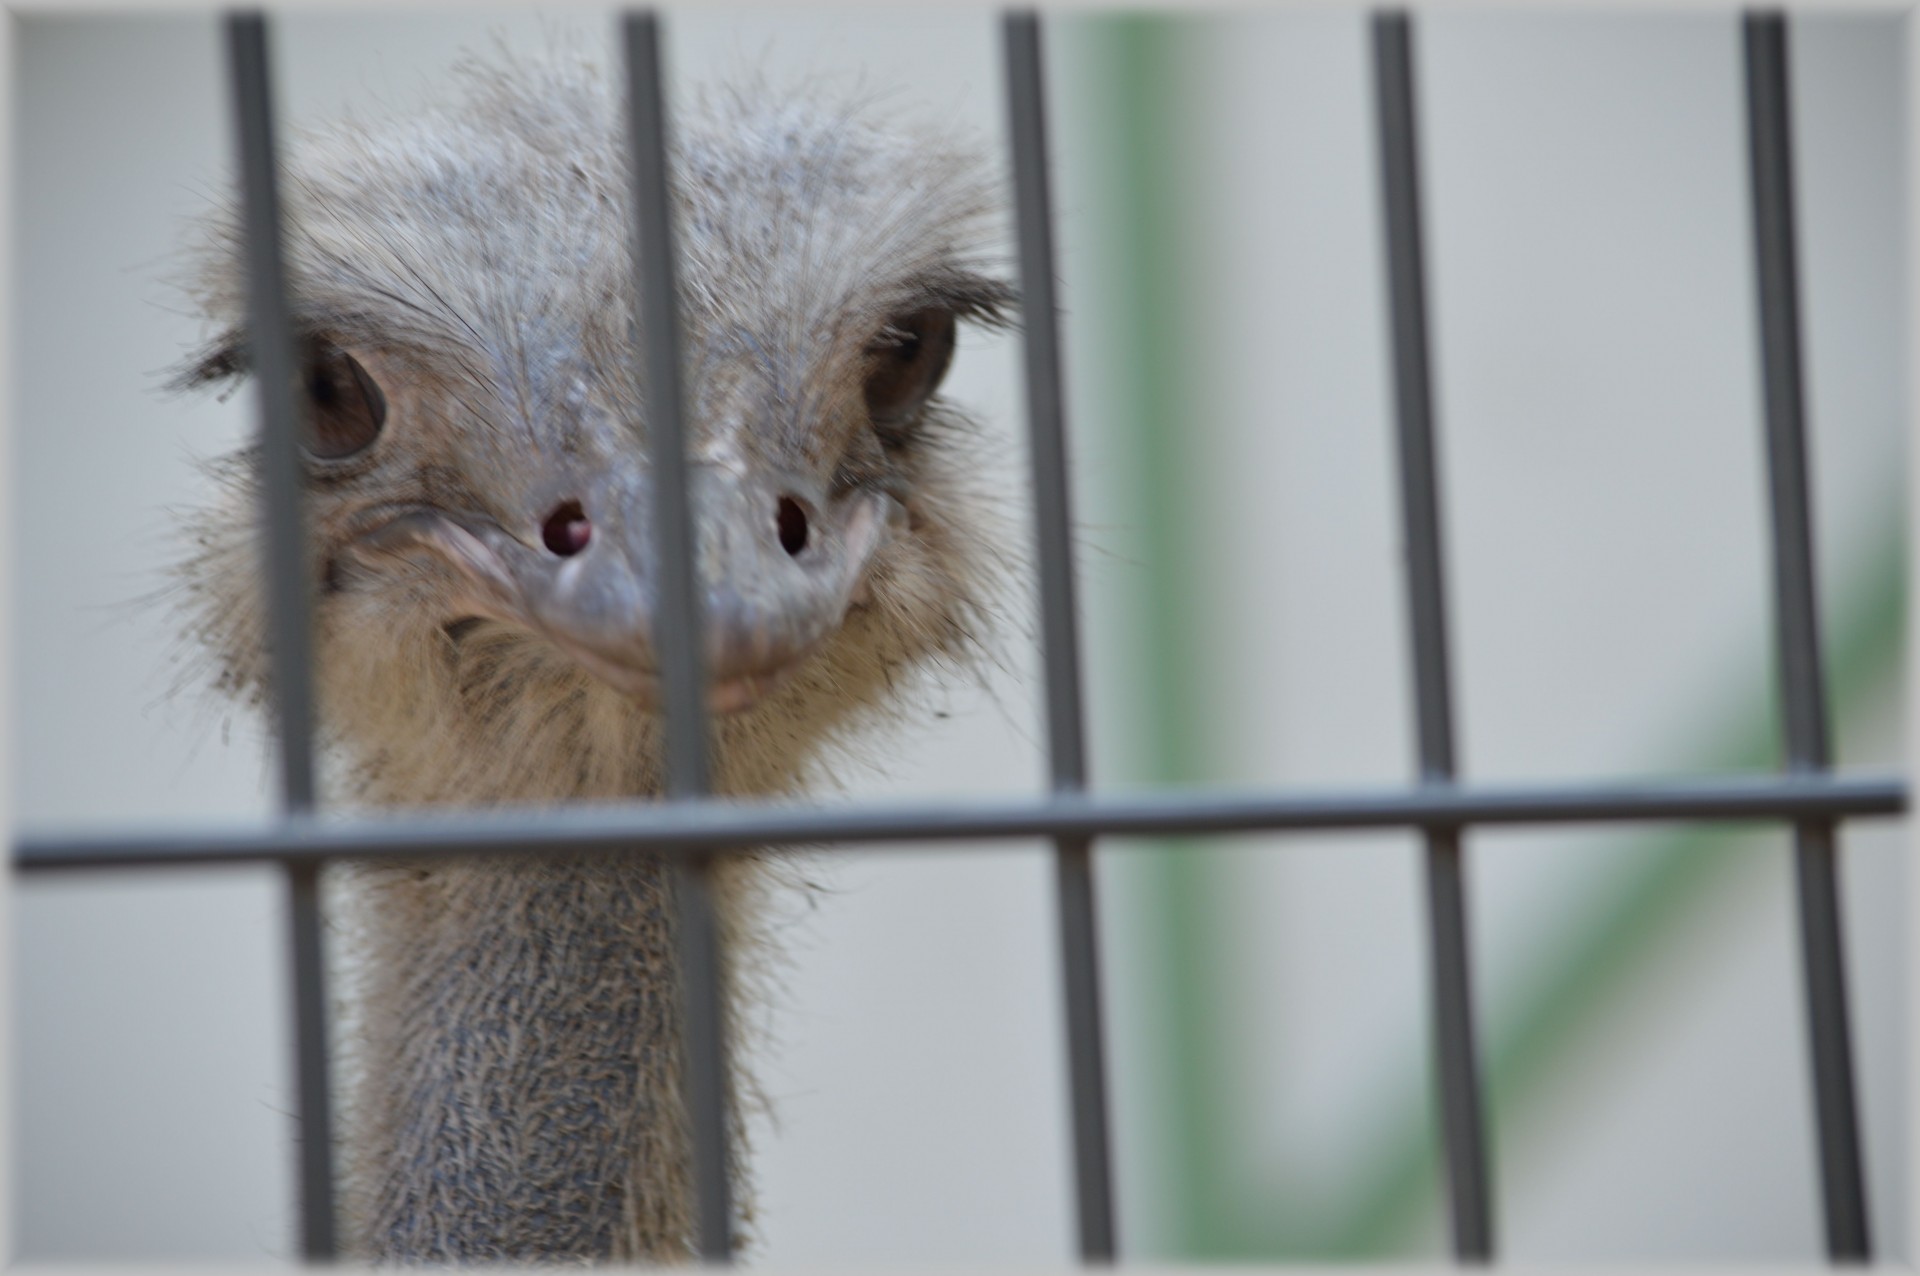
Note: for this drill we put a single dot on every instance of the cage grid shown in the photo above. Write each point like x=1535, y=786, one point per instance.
x=692, y=828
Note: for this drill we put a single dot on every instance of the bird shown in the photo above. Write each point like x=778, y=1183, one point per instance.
x=478, y=499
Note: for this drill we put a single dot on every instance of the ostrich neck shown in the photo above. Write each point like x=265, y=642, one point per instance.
x=518, y=1098
x=515, y=1086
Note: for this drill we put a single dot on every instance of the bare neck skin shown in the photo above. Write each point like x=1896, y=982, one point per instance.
x=519, y=1098
x=514, y=1076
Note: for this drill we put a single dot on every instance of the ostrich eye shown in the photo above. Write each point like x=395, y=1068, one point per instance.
x=345, y=408
x=905, y=364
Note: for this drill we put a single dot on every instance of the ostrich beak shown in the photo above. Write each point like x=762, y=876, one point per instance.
x=780, y=564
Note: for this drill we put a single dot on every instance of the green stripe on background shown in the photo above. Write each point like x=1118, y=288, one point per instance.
x=1140, y=66
x=1677, y=876
x=1135, y=61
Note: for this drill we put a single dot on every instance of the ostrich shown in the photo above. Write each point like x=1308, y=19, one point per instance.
x=478, y=502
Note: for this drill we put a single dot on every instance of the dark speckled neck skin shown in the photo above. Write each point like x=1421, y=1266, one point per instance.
x=534, y=1061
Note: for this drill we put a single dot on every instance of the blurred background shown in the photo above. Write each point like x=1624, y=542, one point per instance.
x=1604, y=508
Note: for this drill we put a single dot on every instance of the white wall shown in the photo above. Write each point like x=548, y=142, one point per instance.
x=1603, y=498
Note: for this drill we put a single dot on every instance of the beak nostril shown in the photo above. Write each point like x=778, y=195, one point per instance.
x=567, y=531
x=793, y=526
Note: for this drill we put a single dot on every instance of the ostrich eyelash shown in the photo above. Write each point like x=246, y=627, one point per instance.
x=970, y=298
x=888, y=338
x=224, y=363
x=227, y=361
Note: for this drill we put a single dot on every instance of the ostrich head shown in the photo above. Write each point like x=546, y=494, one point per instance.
x=478, y=482
x=479, y=502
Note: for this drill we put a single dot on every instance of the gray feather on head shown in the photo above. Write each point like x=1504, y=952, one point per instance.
x=478, y=495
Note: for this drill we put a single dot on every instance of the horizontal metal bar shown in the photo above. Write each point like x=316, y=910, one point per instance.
x=685, y=826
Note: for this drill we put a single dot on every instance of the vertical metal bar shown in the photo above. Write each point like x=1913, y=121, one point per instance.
x=1079, y=940
x=289, y=596
x=1461, y=1119
x=677, y=629
x=1802, y=685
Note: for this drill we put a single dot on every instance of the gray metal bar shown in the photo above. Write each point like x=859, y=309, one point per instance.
x=1053, y=526
x=1046, y=412
x=319, y=1242
x=1802, y=684
x=1086, y=1056
x=1461, y=1119
x=688, y=827
x=289, y=598
x=677, y=628
x=1413, y=390
x=697, y=944
x=271, y=354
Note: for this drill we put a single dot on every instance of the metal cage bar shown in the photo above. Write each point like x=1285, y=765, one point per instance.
x=692, y=828
x=270, y=347
x=1060, y=637
x=1796, y=607
x=677, y=628
x=1461, y=1120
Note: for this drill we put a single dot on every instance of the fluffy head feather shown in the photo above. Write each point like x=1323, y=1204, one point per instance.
x=477, y=502
x=473, y=260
